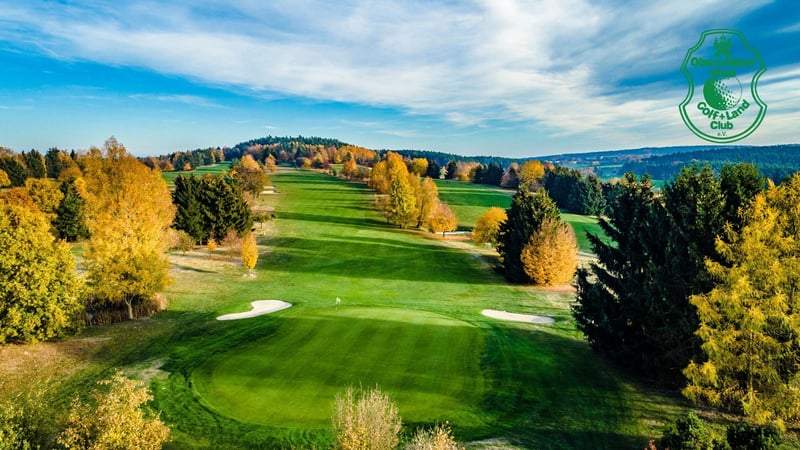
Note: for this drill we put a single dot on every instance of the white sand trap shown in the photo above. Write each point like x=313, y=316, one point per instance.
x=528, y=318
x=260, y=308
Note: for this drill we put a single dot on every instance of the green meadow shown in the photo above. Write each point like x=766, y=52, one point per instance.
x=409, y=320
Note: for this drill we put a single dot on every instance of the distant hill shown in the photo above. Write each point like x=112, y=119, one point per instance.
x=773, y=161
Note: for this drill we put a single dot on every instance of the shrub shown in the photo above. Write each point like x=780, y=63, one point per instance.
x=440, y=437
x=365, y=420
x=115, y=419
x=745, y=436
x=691, y=433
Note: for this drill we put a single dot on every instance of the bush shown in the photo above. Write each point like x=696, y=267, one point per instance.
x=691, y=433
x=365, y=420
x=440, y=437
x=115, y=419
x=745, y=436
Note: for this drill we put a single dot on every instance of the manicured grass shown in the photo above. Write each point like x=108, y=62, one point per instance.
x=214, y=169
x=271, y=380
x=409, y=320
x=469, y=201
x=430, y=364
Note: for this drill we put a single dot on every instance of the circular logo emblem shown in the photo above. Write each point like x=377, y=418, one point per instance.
x=722, y=104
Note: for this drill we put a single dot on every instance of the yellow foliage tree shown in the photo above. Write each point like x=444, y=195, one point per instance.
x=40, y=296
x=4, y=180
x=551, y=255
x=419, y=166
x=530, y=174
x=427, y=199
x=249, y=251
x=116, y=419
x=129, y=211
x=350, y=168
x=487, y=226
x=46, y=194
x=750, y=321
x=443, y=219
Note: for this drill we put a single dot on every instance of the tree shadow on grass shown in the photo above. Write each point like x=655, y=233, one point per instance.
x=377, y=258
x=341, y=220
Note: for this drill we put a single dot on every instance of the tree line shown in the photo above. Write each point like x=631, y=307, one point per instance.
x=698, y=288
x=127, y=216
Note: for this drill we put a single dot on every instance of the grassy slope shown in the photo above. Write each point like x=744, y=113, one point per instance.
x=544, y=387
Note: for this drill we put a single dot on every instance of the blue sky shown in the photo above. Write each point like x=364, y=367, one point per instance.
x=497, y=77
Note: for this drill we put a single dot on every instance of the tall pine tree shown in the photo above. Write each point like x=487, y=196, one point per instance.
x=70, y=222
x=525, y=216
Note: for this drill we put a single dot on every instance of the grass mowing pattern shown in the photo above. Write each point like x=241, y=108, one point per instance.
x=429, y=364
x=542, y=385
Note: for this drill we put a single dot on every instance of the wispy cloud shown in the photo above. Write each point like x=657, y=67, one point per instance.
x=192, y=100
x=568, y=66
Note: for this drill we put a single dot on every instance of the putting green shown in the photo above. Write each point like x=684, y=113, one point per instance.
x=428, y=363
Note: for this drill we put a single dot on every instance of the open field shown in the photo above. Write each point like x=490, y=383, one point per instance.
x=410, y=319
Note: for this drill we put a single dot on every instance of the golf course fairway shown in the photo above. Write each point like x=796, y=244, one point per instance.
x=430, y=364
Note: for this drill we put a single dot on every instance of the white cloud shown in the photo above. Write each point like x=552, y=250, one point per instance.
x=562, y=65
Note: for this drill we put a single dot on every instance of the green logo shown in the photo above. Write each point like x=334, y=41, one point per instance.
x=722, y=70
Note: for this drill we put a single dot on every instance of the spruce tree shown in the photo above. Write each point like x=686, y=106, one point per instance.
x=69, y=222
x=525, y=216
x=188, y=201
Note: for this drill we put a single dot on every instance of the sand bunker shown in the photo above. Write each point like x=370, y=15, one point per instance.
x=260, y=308
x=528, y=318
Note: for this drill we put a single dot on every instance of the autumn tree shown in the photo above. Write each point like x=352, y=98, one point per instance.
x=443, y=219
x=427, y=199
x=116, y=418
x=70, y=222
x=365, y=419
x=46, y=194
x=524, y=217
x=128, y=213
x=4, y=180
x=530, y=174
x=551, y=255
x=418, y=166
x=750, y=321
x=350, y=168
x=250, y=175
x=402, y=206
x=488, y=225
x=249, y=249
x=40, y=296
